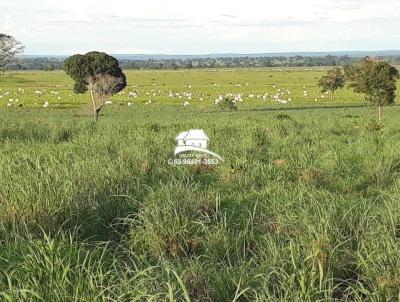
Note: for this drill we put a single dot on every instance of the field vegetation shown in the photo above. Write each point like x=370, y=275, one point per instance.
x=252, y=88
x=304, y=206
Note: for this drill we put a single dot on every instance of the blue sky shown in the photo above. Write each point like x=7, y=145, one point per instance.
x=199, y=27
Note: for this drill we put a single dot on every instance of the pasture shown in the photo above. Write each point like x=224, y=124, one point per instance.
x=199, y=88
x=304, y=206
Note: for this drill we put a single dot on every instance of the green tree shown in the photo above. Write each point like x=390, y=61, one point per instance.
x=9, y=49
x=332, y=81
x=97, y=73
x=375, y=79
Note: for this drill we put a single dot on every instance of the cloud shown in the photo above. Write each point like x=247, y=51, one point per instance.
x=288, y=22
x=106, y=22
x=212, y=26
x=346, y=5
x=8, y=23
x=229, y=16
x=146, y=20
x=149, y=23
x=30, y=10
x=68, y=23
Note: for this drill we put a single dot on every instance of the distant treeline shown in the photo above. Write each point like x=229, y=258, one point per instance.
x=49, y=64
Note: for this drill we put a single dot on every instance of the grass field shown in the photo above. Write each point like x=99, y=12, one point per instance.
x=253, y=88
x=304, y=207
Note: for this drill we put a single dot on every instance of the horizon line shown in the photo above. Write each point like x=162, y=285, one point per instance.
x=220, y=53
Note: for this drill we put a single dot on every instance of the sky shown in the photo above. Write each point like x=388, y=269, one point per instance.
x=54, y=27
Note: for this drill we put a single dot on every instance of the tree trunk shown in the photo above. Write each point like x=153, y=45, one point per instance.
x=95, y=113
x=380, y=113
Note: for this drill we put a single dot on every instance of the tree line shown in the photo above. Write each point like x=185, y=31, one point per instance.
x=57, y=63
x=10, y=48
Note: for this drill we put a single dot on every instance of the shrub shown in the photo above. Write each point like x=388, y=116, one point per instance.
x=227, y=103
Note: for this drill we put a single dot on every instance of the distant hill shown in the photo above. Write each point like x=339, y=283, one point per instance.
x=380, y=53
x=357, y=54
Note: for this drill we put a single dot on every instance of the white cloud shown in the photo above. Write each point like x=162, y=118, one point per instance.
x=177, y=26
x=8, y=23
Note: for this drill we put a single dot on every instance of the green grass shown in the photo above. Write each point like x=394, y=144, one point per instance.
x=203, y=86
x=304, y=206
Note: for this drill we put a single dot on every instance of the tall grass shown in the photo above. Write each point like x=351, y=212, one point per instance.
x=304, y=207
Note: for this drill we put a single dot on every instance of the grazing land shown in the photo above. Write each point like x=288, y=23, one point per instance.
x=304, y=207
x=253, y=88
